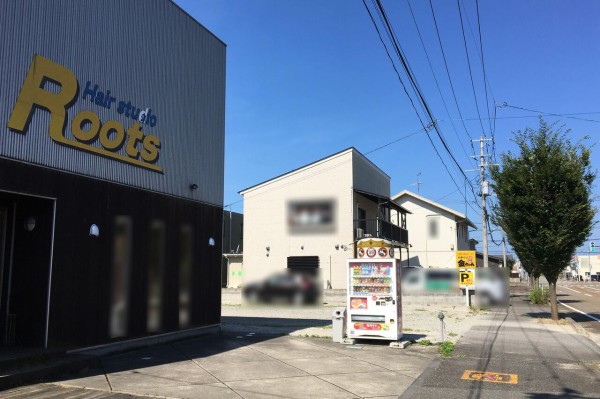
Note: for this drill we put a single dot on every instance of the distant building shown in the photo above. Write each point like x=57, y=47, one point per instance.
x=493, y=261
x=436, y=232
x=308, y=219
x=233, y=249
x=586, y=265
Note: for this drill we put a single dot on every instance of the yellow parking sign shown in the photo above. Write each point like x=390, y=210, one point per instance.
x=465, y=259
x=466, y=278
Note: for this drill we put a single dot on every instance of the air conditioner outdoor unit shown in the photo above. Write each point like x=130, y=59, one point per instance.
x=360, y=233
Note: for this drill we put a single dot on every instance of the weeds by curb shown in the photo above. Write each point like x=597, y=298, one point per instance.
x=446, y=348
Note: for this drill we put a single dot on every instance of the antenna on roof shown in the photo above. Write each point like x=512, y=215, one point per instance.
x=418, y=183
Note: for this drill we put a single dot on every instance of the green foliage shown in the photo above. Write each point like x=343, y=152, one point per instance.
x=424, y=342
x=537, y=296
x=510, y=263
x=544, y=196
x=446, y=348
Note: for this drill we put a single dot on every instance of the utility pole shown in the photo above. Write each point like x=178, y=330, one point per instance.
x=483, y=202
x=485, y=191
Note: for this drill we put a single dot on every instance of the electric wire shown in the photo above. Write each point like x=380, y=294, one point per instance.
x=417, y=90
x=395, y=141
x=393, y=39
x=485, y=86
x=553, y=114
x=486, y=82
x=435, y=78
x=393, y=63
x=469, y=65
x=448, y=73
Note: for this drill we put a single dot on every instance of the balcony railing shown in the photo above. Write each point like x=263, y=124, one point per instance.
x=378, y=228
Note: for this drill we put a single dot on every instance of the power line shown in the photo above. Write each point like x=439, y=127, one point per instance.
x=469, y=64
x=485, y=82
x=553, y=114
x=415, y=86
x=448, y=73
x=393, y=64
x=394, y=41
x=395, y=141
x=435, y=78
x=425, y=128
x=487, y=102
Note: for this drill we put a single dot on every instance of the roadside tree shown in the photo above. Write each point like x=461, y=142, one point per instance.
x=544, y=200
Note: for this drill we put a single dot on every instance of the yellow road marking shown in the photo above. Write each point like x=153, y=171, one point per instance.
x=488, y=376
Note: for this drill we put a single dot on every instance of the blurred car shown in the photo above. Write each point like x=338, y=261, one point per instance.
x=594, y=277
x=491, y=286
x=291, y=288
x=417, y=280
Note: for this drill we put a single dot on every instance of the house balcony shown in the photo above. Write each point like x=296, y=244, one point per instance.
x=378, y=228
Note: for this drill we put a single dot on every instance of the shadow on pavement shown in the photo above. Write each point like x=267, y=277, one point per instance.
x=292, y=324
x=139, y=363
x=565, y=394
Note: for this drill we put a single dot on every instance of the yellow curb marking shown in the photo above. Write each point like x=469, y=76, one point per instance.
x=490, y=377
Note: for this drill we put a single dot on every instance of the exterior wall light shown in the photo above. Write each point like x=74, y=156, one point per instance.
x=94, y=231
x=193, y=186
x=29, y=224
x=211, y=242
x=337, y=247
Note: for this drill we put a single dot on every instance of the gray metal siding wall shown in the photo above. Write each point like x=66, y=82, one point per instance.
x=148, y=52
x=368, y=177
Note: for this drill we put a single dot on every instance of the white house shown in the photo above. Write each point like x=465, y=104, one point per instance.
x=585, y=265
x=436, y=231
x=309, y=218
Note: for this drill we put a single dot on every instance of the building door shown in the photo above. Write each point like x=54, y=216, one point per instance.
x=26, y=230
x=5, y=244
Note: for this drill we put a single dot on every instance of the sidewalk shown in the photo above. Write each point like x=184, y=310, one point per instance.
x=545, y=359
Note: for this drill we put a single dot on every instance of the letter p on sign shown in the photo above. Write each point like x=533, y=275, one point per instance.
x=466, y=279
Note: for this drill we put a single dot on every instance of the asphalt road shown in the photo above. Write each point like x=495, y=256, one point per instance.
x=581, y=302
x=517, y=354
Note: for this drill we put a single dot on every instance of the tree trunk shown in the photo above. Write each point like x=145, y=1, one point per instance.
x=552, y=299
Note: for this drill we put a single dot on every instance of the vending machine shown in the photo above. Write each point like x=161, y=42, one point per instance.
x=374, y=299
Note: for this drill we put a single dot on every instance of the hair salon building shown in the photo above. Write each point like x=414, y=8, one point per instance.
x=111, y=171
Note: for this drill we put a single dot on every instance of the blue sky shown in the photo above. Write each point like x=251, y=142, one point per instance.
x=306, y=79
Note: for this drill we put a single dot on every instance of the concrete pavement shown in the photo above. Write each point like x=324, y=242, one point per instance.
x=251, y=366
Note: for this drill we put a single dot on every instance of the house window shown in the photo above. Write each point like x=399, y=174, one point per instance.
x=362, y=216
x=433, y=227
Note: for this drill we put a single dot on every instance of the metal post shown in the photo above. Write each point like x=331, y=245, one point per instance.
x=590, y=261
x=441, y=317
